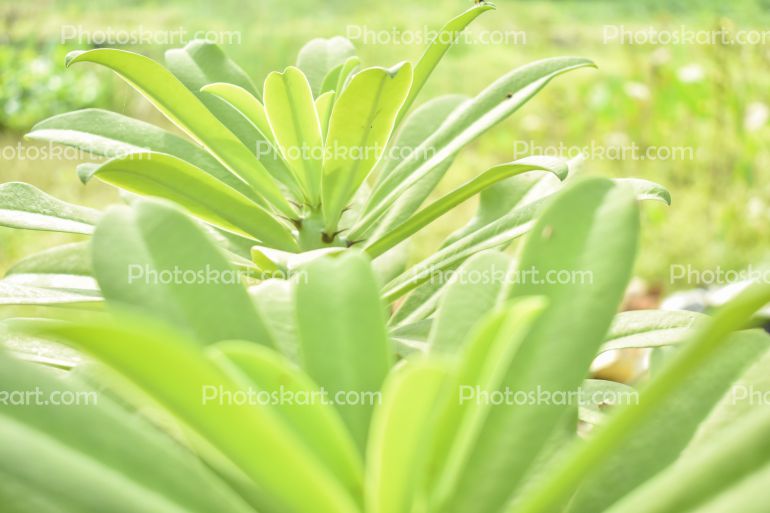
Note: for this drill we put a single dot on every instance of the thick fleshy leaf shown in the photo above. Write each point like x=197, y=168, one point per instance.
x=344, y=344
x=129, y=465
x=323, y=105
x=472, y=290
x=469, y=189
x=110, y=134
x=14, y=294
x=417, y=127
x=201, y=62
x=163, y=176
x=275, y=302
x=252, y=109
x=650, y=328
x=361, y=124
x=443, y=41
x=579, y=256
x=690, y=360
x=483, y=364
x=157, y=260
x=315, y=422
x=296, y=129
x=24, y=206
x=66, y=267
x=320, y=56
x=660, y=438
x=183, y=108
x=472, y=119
x=722, y=476
x=402, y=428
x=251, y=436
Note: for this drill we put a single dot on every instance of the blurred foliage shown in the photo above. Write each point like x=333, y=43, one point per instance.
x=710, y=100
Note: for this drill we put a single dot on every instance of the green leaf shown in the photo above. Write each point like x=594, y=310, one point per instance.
x=469, y=189
x=361, y=124
x=472, y=290
x=109, y=134
x=163, y=176
x=15, y=294
x=24, y=206
x=323, y=105
x=402, y=428
x=296, y=129
x=445, y=38
x=647, y=190
x=251, y=436
x=611, y=436
x=320, y=56
x=482, y=367
x=184, y=109
x=722, y=476
x=127, y=464
x=472, y=119
x=66, y=267
x=417, y=127
x=201, y=62
x=588, y=233
x=251, y=109
x=650, y=328
x=314, y=421
x=275, y=302
x=344, y=344
x=497, y=234
x=657, y=441
x=156, y=259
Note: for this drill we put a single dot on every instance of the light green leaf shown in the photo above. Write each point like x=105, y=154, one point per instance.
x=719, y=477
x=657, y=440
x=402, y=428
x=417, y=127
x=15, y=294
x=163, y=176
x=109, y=134
x=483, y=364
x=315, y=422
x=675, y=375
x=344, y=344
x=650, y=328
x=472, y=119
x=183, y=108
x=361, y=124
x=320, y=56
x=201, y=62
x=251, y=436
x=472, y=290
x=445, y=38
x=588, y=233
x=469, y=189
x=66, y=267
x=156, y=259
x=275, y=302
x=323, y=105
x=128, y=464
x=296, y=129
x=24, y=206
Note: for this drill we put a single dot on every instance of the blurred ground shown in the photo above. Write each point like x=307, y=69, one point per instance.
x=701, y=110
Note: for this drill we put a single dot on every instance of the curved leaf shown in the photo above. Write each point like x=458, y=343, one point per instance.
x=163, y=176
x=361, y=124
x=183, y=108
x=24, y=206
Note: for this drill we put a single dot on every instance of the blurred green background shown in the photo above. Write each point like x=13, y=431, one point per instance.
x=708, y=102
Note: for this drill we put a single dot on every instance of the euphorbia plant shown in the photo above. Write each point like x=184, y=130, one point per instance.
x=169, y=434
x=324, y=156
